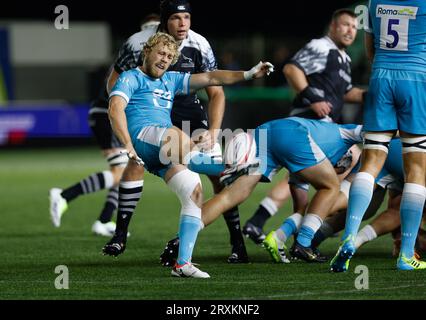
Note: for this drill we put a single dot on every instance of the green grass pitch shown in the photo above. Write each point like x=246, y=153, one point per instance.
x=31, y=248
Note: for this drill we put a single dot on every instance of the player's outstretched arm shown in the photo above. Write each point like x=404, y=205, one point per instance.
x=225, y=77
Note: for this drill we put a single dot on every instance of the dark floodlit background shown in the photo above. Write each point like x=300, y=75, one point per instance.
x=48, y=77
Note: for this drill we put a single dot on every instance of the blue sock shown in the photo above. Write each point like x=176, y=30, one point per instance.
x=311, y=224
x=204, y=163
x=360, y=196
x=306, y=234
x=288, y=227
x=188, y=231
x=413, y=199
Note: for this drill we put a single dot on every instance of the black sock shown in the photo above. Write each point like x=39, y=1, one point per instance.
x=319, y=237
x=111, y=204
x=92, y=183
x=129, y=194
x=260, y=216
x=232, y=218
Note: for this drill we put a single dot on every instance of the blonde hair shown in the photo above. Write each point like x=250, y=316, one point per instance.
x=164, y=38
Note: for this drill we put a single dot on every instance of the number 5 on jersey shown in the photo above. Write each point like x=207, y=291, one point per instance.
x=394, y=26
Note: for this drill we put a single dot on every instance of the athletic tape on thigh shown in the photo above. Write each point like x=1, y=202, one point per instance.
x=417, y=144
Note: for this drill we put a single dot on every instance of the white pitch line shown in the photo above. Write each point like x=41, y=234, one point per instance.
x=309, y=293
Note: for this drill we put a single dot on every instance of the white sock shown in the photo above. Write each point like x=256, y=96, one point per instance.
x=366, y=234
x=312, y=221
x=270, y=206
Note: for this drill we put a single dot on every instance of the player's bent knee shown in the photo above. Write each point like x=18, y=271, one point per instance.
x=187, y=186
x=197, y=196
x=377, y=141
x=133, y=171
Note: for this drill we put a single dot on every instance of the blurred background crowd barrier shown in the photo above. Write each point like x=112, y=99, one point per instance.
x=49, y=77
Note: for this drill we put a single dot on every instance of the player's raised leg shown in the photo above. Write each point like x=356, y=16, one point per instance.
x=187, y=186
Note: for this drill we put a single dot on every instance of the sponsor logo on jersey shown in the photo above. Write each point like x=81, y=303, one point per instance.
x=167, y=95
x=396, y=11
x=187, y=62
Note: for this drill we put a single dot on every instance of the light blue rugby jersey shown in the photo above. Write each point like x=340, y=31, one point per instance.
x=399, y=29
x=333, y=139
x=149, y=100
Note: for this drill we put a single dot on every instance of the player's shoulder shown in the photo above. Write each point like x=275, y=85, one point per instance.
x=198, y=41
x=170, y=75
x=323, y=45
x=131, y=72
x=132, y=75
x=138, y=39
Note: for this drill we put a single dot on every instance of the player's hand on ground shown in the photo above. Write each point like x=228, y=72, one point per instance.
x=322, y=108
x=259, y=70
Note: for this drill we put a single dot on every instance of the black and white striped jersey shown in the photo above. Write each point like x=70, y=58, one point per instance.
x=328, y=71
x=129, y=55
x=196, y=56
x=128, y=58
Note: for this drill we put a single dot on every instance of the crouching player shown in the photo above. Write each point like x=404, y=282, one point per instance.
x=302, y=146
x=395, y=101
x=390, y=179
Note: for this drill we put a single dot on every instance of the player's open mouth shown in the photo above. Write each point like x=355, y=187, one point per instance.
x=349, y=38
x=160, y=66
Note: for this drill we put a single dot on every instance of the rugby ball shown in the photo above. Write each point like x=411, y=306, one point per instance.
x=240, y=150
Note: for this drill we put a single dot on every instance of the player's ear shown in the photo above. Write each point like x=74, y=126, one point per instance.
x=144, y=53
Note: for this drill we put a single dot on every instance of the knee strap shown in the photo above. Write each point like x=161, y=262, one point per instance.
x=417, y=144
x=377, y=141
